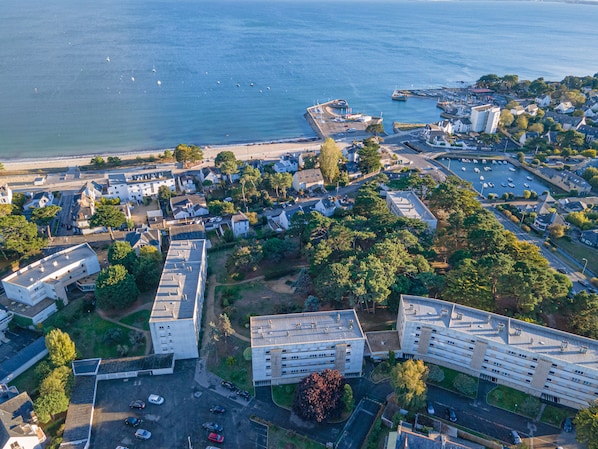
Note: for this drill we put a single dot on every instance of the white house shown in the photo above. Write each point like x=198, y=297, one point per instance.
x=286, y=164
x=5, y=194
x=327, y=206
x=240, y=225
x=286, y=348
x=532, y=109
x=19, y=425
x=553, y=365
x=144, y=237
x=186, y=184
x=566, y=107
x=136, y=186
x=39, y=200
x=175, y=320
x=308, y=179
x=210, y=174
x=543, y=101
x=47, y=280
x=485, y=118
x=188, y=206
x=407, y=204
x=462, y=125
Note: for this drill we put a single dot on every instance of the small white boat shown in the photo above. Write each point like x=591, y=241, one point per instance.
x=529, y=178
x=159, y=83
x=511, y=185
x=154, y=70
x=487, y=169
x=494, y=162
x=463, y=168
x=485, y=185
x=510, y=179
x=475, y=161
x=108, y=59
x=481, y=178
x=504, y=184
x=491, y=184
x=483, y=161
x=526, y=185
x=512, y=169
x=133, y=78
x=476, y=169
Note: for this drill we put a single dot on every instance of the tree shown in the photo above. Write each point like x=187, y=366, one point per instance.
x=522, y=122
x=61, y=348
x=275, y=248
x=281, y=181
x=109, y=217
x=164, y=194
x=586, y=423
x=218, y=207
x=348, y=400
x=115, y=288
x=311, y=304
x=224, y=326
x=244, y=257
x=188, y=153
x=114, y=161
x=369, y=156
x=98, y=162
x=148, y=268
x=557, y=231
x=59, y=379
x=409, y=382
x=330, y=155
x=228, y=163
x=319, y=396
x=43, y=216
x=19, y=236
x=46, y=406
x=122, y=253
x=506, y=118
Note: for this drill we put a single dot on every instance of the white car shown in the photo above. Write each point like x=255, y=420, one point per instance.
x=143, y=434
x=155, y=399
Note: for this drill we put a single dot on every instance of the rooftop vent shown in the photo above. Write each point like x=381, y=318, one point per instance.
x=517, y=331
x=338, y=317
x=583, y=349
x=350, y=324
x=55, y=263
x=42, y=269
x=500, y=327
x=459, y=316
x=488, y=318
x=443, y=312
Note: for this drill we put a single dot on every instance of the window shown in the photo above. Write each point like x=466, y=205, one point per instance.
x=578, y=372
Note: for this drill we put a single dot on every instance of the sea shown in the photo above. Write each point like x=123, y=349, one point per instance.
x=118, y=75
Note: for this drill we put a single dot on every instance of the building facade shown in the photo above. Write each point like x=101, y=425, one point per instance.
x=175, y=320
x=553, y=365
x=287, y=348
x=485, y=118
x=135, y=186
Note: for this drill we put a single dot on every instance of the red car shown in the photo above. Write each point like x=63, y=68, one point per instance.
x=216, y=438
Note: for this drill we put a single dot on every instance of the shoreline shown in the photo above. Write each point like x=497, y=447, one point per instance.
x=241, y=150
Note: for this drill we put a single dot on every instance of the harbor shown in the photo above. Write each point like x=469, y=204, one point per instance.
x=336, y=119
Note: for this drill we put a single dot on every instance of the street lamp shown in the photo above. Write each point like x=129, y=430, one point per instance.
x=584, y=265
x=516, y=405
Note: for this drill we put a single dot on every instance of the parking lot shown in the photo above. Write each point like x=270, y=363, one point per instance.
x=173, y=424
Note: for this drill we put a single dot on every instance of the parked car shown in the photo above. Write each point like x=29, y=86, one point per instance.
x=216, y=438
x=132, y=421
x=430, y=407
x=568, y=425
x=452, y=415
x=515, y=437
x=217, y=409
x=226, y=384
x=212, y=427
x=138, y=404
x=561, y=270
x=155, y=399
x=143, y=434
x=244, y=394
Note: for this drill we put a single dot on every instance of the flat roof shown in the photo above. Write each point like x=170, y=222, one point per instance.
x=179, y=284
x=519, y=335
x=410, y=206
x=77, y=427
x=310, y=327
x=46, y=267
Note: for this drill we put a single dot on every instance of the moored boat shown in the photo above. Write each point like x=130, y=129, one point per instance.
x=399, y=95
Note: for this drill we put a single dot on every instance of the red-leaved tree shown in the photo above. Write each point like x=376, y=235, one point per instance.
x=319, y=396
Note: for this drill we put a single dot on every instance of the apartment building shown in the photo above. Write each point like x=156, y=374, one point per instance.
x=135, y=186
x=408, y=205
x=484, y=118
x=286, y=348
x=34, y=289
x=553, y=365
x=175, y=319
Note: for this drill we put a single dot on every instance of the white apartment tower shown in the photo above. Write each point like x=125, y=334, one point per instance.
x=485, y=118
x=287, y=348
x=175, y=320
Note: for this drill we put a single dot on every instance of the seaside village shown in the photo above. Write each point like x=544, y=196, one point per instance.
x=185, y=299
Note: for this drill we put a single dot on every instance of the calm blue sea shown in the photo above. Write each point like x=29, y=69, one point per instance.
x=113, y=75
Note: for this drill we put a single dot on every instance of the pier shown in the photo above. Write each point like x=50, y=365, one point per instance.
x=335, y=119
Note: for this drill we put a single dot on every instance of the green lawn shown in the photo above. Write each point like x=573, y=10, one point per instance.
x=282, y=438
x=448, y=381
x=578, y=251
x=381, y=372
x=283, y=395
x=514, y=401
x=555, y=416
x=139, y=319
x=238, y=372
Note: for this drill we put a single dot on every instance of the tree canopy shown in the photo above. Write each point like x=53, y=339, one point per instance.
x=115, y=288
x=188, y=153
x=109, y=217
x=409, y=382
x=319, y=396
x=61, y=348
x=586, y=424
x=18, y=236
x=330, y=155
x=369, y=156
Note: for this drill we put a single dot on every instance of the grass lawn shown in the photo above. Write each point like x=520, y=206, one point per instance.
x=231, y=365
x=554, y=415
x=279, y=438
x=448, y=381
x=139, y=319
x=511, y=400
x=578, y=251
x=381, y=372
x=216, y=262
x=283, y=395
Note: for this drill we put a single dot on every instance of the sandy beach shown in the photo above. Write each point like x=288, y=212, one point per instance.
x=260, y=150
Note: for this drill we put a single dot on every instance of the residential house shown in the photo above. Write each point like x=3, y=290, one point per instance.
x=590, y=238
x=5, y=194
x=286, y=348
x=407, y=204
x=546, y=214
x=144, y=237
x=39, y=200
x=175, y=319
x=528, y=135
x=210, y=174
x=308, y=180
x=462, y=125
x=37, y=286
x=566, y=121
x=552, y=365
x=532, y=109
x=543, y=101
x=565, y=180
x=289, y=163
x=186, y=184
x=589, y=113
x=518, y=110
x=280, y=219
x=484, y=118
x=566, y=107
x=19, y=425
x=435, y=135
x=84, y=205
x=352, y=153
x=155, y=219
x=240, y=225
x=306, y=154
x=136, y=186
x=327, y=206
x=591, y=133
x=188, y=206
x=572, y=205
x=353, y=170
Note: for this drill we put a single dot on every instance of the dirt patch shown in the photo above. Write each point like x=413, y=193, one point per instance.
x=283, y=285
x=382, y=320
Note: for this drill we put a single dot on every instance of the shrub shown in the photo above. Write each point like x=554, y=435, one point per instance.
x=113, y=335
x=465, y=384
x=436, y=374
